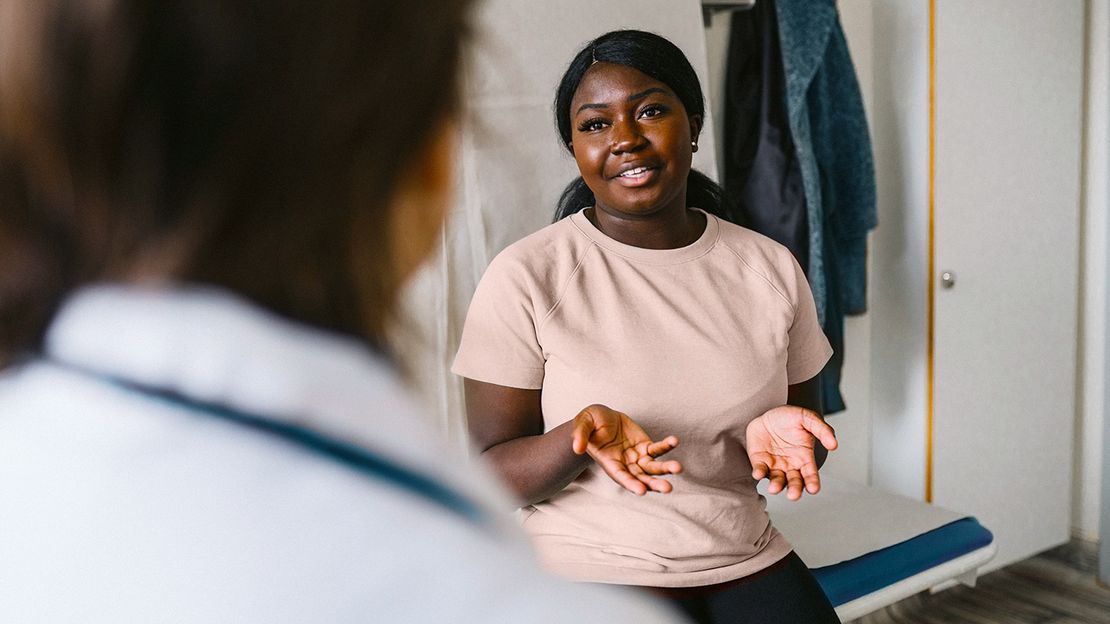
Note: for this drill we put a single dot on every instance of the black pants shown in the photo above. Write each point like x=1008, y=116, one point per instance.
x=784, y=593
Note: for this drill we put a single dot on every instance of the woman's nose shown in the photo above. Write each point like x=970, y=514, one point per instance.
x=627, y=137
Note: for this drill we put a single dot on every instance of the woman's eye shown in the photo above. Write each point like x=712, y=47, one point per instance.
x=651, y=111
x=592, y=125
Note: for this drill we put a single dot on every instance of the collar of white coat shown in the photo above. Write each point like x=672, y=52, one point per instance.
x=213, y=347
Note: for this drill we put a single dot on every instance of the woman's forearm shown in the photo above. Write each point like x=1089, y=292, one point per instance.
x=538, y=467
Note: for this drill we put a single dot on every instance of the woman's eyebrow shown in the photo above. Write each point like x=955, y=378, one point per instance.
x=631, y=98
x=645, y=93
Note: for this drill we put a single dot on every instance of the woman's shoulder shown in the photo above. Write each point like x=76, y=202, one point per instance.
x=544, y=255
x=763, y=255
x=754, y=247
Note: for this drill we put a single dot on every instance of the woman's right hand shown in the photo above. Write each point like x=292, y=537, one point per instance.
x=624, y=450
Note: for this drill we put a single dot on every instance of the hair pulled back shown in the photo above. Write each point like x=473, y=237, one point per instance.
x=657, y=57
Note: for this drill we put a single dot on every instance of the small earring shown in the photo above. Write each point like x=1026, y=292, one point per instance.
x=694, y=145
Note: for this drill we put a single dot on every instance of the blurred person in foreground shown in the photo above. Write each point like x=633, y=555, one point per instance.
x=206, y=213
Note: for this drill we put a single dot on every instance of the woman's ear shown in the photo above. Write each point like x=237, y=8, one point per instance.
x=695, y=129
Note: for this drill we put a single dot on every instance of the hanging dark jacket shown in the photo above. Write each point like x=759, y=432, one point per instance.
x=761, y=172
x=829, y=127
x=798, y=157
x=830, y=134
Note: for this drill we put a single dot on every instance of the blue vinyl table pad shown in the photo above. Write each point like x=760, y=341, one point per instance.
x=848, y=580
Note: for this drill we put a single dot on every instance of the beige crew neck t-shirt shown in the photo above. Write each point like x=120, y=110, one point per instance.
x=695, y=342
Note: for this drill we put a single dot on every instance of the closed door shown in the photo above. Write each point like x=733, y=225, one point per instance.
x=1008, y=115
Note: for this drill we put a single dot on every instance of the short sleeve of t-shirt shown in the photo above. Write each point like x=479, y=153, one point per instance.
x=808, y=349
x=499, y=343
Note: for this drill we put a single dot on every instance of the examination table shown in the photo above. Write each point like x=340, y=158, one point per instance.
x=869, y=549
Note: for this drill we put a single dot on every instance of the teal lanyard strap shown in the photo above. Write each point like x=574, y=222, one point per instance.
x=356, y=457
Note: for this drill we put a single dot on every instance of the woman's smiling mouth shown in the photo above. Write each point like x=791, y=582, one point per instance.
x=637, y=176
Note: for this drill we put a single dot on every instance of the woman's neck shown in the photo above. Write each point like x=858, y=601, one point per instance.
x=664, y=230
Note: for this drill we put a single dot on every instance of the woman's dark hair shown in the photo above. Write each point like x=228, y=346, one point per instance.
x=244, y=141
x=662, y=60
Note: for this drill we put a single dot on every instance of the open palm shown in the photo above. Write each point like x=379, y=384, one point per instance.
x=780, y=447
x=623, y=449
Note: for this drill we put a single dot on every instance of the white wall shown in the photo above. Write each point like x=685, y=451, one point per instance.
x=1101, y=17
x=1091, y=391
x=898, y=285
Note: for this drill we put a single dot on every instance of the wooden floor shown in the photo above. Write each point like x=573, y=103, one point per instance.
x=1055, y=587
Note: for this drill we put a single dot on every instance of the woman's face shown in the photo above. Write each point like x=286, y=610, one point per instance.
x=631, y=137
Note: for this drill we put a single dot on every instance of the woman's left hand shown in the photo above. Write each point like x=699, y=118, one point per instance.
x=780, y=447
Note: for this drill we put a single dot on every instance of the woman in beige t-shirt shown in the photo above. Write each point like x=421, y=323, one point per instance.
x=636, y=320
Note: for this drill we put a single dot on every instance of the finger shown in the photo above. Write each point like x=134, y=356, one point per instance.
x=666, y=445
x=820, y=430
x=619, y=473
x=777, y=481
x=655, y=484
x=580, y=435
x=812, y=478
x=659, y=485
x=631, y=456
x=794, y=484
x=656, y=467
x=759, y=470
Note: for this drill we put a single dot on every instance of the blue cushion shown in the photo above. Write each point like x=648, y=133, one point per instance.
x=848, y=580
